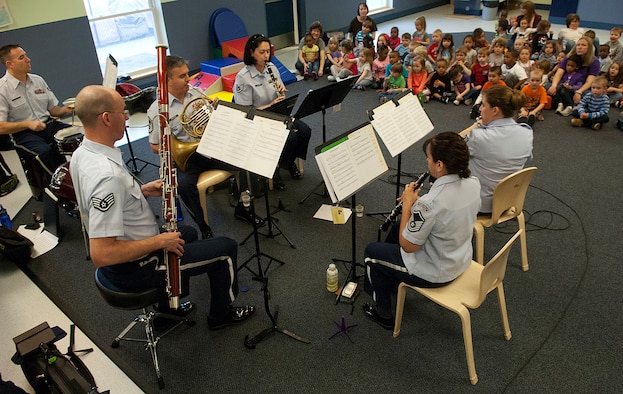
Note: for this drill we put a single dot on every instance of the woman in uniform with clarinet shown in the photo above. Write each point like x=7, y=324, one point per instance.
x=434, y=233
x=259, y=84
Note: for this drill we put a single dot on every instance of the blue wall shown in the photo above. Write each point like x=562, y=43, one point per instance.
x=602, y=14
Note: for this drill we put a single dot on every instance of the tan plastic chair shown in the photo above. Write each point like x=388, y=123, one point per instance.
x=208, y=179
x=469, y=290
x=508, y=199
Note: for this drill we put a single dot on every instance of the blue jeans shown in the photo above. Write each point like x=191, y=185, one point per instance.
x=313, y=67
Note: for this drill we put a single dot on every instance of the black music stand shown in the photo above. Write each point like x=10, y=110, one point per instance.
x=352, y=272
x=260, y=276
x=319, y=100
x=338, y=194
x=270, y=223
x=133, y=159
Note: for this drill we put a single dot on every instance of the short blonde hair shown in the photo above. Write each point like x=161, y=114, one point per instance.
x=601, y=81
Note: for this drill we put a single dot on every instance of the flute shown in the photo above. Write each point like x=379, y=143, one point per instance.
x=392, y=216
x=168, y=174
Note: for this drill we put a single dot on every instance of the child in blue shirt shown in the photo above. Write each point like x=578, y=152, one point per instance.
x=366, y=29
x=593, y=108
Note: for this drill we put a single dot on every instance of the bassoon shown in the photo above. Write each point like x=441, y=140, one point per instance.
x=168, y=175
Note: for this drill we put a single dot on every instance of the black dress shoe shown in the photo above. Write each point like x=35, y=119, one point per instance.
x=277, y=182
x=207, y=233
x=372, y=314
x=234, y=315
x=294, y=171
x=241, y=213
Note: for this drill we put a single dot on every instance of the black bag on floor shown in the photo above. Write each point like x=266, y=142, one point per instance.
x=46, y=368
x=14, y=246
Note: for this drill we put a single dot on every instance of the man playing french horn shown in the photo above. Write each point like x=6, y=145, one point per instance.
x=180, y=94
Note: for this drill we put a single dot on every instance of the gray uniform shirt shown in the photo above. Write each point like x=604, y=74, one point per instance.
x=110, y=199
x=19, y=102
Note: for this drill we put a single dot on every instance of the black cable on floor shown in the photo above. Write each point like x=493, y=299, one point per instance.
x=575, y=292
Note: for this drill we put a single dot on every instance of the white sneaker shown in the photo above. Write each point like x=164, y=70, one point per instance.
x=331, y=78
x=338, y=79
x=567, y=111
x=559, y=108
x=456, y=102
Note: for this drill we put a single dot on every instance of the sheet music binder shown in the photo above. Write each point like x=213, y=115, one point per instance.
x=400, y=122
x=245, y=137
x=350, y=161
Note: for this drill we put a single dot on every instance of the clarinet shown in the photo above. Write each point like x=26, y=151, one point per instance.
x=274, y=81
x=168, y=175
x=392, y=216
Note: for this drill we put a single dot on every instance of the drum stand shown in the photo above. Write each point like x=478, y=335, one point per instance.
x=134, y=169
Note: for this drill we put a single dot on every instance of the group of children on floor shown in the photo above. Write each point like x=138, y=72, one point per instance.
x=434, y=69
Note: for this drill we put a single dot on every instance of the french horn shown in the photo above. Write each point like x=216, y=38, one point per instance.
x=194, y=119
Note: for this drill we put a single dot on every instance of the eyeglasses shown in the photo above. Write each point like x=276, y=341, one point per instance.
x=126, y=113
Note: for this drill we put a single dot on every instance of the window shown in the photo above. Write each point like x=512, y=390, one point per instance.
x=129, y=31
x=376, y=6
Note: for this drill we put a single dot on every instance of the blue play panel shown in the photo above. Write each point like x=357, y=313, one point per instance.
x=286, y=76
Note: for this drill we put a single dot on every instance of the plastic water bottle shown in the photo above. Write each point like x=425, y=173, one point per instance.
x=332, y=278
x=5, y=219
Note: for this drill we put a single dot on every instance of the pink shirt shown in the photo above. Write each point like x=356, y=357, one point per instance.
x=378, y=67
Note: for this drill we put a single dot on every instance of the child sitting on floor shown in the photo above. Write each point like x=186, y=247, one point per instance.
x=440, y=84
x=536, y=96
x=394, y=84
x=593, y=108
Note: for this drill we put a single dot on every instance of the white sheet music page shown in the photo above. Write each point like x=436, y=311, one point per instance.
x=251, y=144
x=351, y=163
x=401, y=126
x=110, y=73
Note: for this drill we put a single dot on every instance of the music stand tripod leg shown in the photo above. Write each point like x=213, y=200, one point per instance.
x=270, y=223
x=246, y=195
x=261, y=277
x=133, y=158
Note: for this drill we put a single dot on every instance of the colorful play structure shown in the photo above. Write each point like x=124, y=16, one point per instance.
x=228, y=36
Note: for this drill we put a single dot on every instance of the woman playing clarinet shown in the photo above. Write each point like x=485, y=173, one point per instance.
x=434, y=235
x=498, y=146
x=259, y=84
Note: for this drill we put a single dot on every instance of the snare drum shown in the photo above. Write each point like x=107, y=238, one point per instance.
x=69, y=139
x=62, y=187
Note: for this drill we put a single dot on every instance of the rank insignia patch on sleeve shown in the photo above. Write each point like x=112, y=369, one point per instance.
x=103, y=204
x=416, y=222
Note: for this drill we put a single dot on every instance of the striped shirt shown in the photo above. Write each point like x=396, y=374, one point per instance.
x=594, y=106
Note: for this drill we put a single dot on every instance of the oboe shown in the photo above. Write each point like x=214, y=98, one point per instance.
x=392, y=216
x=274, y=81
x=168, y=175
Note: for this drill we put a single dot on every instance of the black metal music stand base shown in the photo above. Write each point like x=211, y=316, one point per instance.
x=261, y=273
x=270, y=223
x=133, y=159
x=342, y=328
x=313, y=192
x=250, y=343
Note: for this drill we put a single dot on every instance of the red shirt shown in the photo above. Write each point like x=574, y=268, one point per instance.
x=394, y=42
x=480, y=74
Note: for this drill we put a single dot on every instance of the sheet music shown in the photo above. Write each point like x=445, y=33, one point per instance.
x=43, y=241
x=110, y=73
x=351, y=162
x=401, y=126
x=251, y=144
